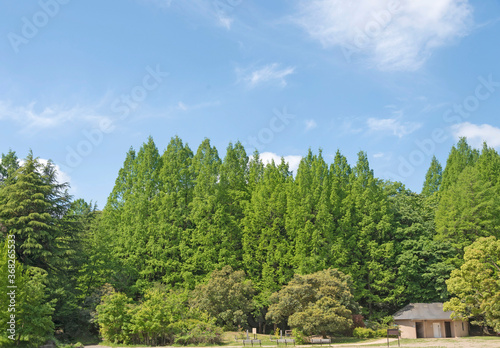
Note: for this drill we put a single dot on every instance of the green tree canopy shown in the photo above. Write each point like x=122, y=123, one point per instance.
x=476, y=285
x=320, y=302
x=433, y=178
x=227, y=296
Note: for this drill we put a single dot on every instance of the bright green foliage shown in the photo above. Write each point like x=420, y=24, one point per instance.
x=203, y=241
x=114, y=316
x=309, y=222
x=234, y=195
x=461, y=156
x=162, y=318
x=195, y=332
x=171, y=218
x=468, y=209
x=433, y=178
x=129, y=219
x=325, y=315
x=365, y=247
x=266, y=243
x=160, y=308
x=476, y=285
x=31, y=307
x=227, y=296
x=321, y=302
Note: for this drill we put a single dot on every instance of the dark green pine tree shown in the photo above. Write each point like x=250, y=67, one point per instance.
x=8, y=165
x=433, y=178
x=32, y=204
x=422, y=262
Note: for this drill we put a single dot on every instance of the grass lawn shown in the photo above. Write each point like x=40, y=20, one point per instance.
x=236, y=339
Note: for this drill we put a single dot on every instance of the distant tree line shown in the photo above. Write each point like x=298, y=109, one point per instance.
x=214, y=243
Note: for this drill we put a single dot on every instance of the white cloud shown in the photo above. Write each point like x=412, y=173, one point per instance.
x=378, y=155
x=268, y=73
x=310, y=124
x=392, y=125
x=293, y=161
x=391, y=37
x=54, y=116
x=477, y=134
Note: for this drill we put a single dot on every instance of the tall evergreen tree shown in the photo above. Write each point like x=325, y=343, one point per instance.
x=461, y=156
x=468, y=209
x=173, y=210
x=9, y=163
x=203, y=239
x=266, y=243
x=433, y=178
x=367, y=226
x=32, y=204
x=308, y=195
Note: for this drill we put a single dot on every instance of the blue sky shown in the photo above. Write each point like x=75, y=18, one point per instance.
x=83, y=81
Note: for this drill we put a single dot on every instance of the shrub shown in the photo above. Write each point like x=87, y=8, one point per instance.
x=361, y=332
x=193, y=331
x=381, y=333
x=299, y=336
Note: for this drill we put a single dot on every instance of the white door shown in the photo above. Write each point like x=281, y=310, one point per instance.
x=437, y=330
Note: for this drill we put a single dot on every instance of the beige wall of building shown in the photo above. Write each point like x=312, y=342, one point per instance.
x=432, y=328
x=407, y=328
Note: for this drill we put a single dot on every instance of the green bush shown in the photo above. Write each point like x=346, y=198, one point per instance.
x=193, y=331
x=361, y=332
x=381, y=333
x=299, y=336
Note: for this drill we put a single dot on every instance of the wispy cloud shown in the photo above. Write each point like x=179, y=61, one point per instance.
x=218, y=11
x=477, y=134
x=378, y=155
x=189, y=107
x=32, y=119
x=310, y=124
x=293, y=161
x=393, y=125
x=392, y=37
x=271, y=73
